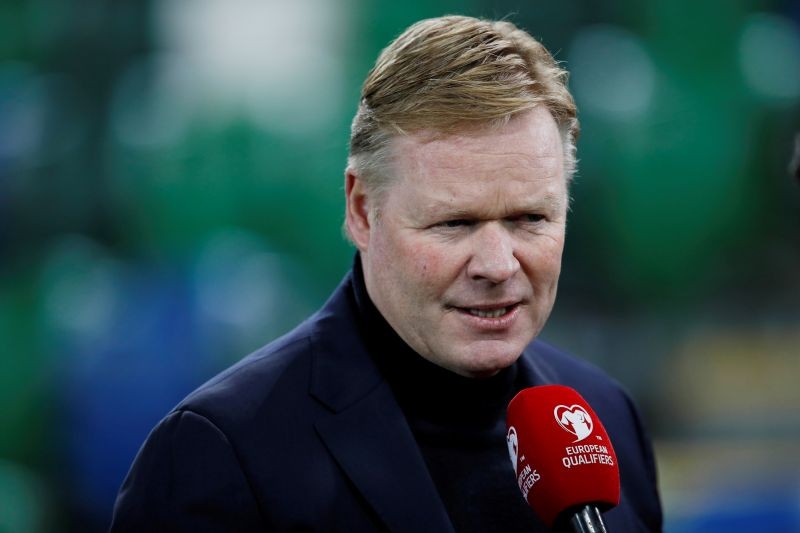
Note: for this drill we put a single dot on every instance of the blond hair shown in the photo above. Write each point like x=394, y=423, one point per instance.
x=451, y=74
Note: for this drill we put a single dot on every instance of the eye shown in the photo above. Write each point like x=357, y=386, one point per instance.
x=532, y=218
x=456, y=223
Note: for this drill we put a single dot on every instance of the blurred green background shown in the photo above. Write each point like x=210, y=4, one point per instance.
x=171, y=199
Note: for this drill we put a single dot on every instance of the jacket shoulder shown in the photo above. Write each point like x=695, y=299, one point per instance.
x=243, y=389
x=553, y=365
x=282, y=375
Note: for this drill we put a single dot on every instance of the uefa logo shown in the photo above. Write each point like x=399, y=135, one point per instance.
x=574, y=419
x=513, y=445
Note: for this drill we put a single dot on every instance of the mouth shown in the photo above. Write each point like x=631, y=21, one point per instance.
x=488, y=313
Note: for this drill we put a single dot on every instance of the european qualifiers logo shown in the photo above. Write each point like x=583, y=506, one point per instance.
x=575, y=420
x=526, y=476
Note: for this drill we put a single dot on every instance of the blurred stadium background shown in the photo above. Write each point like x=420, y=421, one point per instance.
x=170, y=199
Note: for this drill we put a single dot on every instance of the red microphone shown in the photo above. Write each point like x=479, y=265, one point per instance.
x=566, y=467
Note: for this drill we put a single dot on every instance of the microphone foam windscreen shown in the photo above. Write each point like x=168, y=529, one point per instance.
x=561, y=452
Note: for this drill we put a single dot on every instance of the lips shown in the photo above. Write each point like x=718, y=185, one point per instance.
x=484, y=313
x=489, y=311
x=493, y=319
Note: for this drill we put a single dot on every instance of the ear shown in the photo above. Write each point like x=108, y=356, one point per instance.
x=356, y=210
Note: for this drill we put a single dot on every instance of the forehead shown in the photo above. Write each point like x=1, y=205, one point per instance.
x=522, y=160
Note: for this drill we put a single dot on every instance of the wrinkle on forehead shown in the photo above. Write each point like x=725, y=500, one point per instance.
x=509, y=161
x=444, y=163
x=489, y=202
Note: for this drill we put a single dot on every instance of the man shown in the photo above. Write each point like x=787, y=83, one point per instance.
x=386, y=409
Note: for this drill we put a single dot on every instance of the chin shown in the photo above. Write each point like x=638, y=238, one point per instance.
x=487, y=365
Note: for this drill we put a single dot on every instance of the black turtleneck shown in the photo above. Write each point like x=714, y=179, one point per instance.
x=459, y=426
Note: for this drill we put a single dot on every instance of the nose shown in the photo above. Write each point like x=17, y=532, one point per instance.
x=493, y=256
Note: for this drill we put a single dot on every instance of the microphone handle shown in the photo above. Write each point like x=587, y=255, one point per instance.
x=587, y=519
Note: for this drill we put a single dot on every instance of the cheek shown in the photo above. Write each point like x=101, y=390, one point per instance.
x=433, y=269
x=426, y=263
x=551, y=260
x=544, y=260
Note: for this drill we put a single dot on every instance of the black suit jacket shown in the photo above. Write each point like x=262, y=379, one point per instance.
x=306, y=435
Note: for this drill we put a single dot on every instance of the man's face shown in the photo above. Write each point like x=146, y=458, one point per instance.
x=463, y=254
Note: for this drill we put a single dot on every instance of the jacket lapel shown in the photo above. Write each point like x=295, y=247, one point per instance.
x=364, y=428
x=374, y=446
